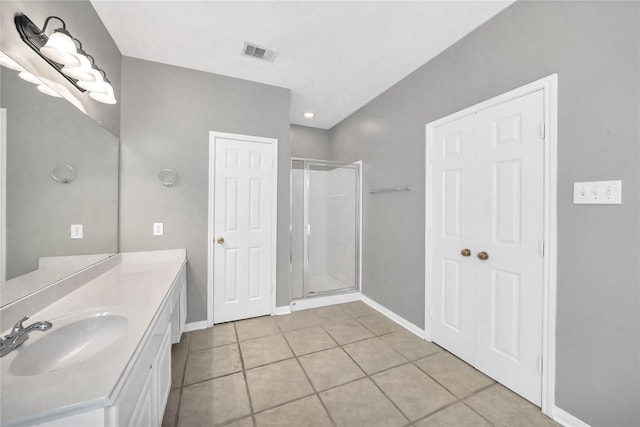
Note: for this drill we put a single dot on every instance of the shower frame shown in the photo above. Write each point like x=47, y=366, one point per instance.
x=358, y=230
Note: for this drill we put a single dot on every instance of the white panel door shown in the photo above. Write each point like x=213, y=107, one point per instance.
x=453, y=201
x=510, y=281
x=243, y=247
x=487, y=196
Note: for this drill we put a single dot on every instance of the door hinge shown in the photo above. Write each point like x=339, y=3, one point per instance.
x=540, y=365
x=542, y=248
x=542, y=130
x=273, y=163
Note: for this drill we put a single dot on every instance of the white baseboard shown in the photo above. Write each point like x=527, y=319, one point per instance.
x=283, y=310
x=393, y=316
x=566, y=419
x=194, y=326
x=316, y=302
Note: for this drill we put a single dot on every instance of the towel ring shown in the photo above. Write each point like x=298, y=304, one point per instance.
x=63, y=173
x=168, y=177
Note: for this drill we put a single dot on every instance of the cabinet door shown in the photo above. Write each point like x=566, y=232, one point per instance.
x=183, y=306
x=162, y=371
x=145, y=412
x=179, y=313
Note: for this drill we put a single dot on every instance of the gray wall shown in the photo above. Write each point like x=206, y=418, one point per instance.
x=594, y=48
x=85, y=25
x=43, y=131
x=310, y=143
x=167, y=113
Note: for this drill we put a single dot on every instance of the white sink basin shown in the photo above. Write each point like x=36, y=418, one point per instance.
x=72, y=339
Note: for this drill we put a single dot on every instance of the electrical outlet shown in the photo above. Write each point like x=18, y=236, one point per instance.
x=76, y=231
x=158, y=229
x=597, y=193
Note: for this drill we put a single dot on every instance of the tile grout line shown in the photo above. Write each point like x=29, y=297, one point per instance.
x=375, y=335
x=369, y=377
x=365, y=375
x=475, y=393
x=412, y=362
x=458, y=399
x=321, y=324
x=313, y=387
x=244, y=374
x=280, y=333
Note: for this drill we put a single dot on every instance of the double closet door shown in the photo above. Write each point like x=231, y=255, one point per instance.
x=486, y=248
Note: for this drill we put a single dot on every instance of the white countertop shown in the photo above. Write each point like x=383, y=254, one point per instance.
x=136, y=288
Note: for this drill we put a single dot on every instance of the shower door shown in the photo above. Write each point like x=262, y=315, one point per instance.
x=325, y=227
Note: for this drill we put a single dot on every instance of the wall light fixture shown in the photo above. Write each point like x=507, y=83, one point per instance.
x=66, y=55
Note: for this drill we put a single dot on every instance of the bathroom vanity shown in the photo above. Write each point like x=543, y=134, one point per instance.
x=107, y=359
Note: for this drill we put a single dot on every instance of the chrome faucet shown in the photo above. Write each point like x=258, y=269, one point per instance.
x=20, y=334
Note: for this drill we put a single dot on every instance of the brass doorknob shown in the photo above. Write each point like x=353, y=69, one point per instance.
x=220, y=240
x=465, y=252
x=483, y=256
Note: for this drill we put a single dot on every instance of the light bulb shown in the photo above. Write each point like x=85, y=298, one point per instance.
x=82, y=72
x=97, y=85
x=5, y=61
x=106, y=97
x=27, y=76
x=48, y=91
x=61, y=48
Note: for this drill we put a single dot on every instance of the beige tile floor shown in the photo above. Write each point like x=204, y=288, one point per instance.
x=342, y=365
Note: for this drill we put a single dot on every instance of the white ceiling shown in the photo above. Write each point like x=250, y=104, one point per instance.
x=335, y=56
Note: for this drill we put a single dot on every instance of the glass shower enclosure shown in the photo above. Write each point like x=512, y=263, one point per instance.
x=325, y=227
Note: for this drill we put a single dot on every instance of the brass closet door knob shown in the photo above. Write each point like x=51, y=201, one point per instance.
x=483, y=256
x=220, y=240
x=465, y=252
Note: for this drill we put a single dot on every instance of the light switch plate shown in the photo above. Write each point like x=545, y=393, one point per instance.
x=158, y=229
x=597, y=193
x=76, y=231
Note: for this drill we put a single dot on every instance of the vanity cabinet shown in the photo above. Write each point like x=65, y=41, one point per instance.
x=140, y=395
x=143, y=397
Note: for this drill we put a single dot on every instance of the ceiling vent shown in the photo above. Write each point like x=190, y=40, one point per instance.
x=259, y=52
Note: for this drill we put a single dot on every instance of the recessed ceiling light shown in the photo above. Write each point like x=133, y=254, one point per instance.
x=309, y=115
